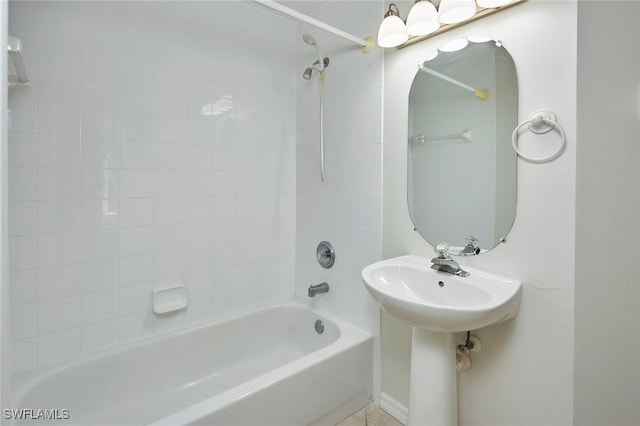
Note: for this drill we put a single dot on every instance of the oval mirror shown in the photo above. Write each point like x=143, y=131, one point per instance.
x=463, y=107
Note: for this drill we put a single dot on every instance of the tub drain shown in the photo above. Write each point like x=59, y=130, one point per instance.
x=319, y=326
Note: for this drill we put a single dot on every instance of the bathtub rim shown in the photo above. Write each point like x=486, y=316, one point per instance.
x=23, y=381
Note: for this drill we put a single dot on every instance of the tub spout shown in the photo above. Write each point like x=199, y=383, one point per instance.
x=317, y=289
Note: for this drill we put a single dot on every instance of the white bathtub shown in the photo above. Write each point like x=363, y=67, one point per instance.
x=267, y=367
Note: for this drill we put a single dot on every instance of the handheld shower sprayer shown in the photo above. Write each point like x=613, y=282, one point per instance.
x=320, y=64
x=308, y=38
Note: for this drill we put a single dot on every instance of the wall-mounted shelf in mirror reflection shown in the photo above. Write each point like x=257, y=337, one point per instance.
x=464, y=136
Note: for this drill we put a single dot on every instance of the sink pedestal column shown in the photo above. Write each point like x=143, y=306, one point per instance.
x=433, y=399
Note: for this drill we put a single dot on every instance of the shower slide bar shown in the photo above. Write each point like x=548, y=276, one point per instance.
x=19, y=71
x=366, y=43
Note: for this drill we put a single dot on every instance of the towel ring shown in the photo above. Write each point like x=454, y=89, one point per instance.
x=541, y=122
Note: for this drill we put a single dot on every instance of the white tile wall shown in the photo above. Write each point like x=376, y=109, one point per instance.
x=347, y=208
x=118, y=183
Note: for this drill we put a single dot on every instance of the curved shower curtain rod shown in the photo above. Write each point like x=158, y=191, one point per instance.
x=365, y=43
x=482, y=94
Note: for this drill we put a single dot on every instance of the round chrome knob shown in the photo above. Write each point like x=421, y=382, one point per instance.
x=325, y=254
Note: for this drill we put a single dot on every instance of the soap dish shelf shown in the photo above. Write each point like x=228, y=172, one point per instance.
x=169, y=299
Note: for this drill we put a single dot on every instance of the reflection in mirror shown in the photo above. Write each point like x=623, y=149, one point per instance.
x=463, y=106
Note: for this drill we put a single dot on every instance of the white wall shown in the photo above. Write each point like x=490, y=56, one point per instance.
x=524, y=375
x=119, y=184
x=346, y=209
x=607, y=343
x=5, y=367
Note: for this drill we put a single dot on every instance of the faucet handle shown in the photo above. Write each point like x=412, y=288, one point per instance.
x=472, y=241
x=442, y=250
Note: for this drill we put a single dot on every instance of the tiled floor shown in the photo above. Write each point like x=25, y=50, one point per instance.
x=370, y=416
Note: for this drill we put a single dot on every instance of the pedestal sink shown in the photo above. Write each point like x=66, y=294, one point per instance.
x=438, y=304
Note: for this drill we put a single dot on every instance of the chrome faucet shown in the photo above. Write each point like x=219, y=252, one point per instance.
x=317, y=289
x=445, y=263
x=471, y=249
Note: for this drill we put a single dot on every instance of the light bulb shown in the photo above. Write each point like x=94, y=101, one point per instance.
x=392, y=32
x=454, y=11
x=422, y=19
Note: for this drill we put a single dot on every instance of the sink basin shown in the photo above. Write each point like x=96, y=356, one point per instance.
x=409, y=289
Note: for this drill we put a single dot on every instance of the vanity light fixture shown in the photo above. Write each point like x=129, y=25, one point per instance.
x=422, y=19
x=392, y=31
x=425, y=21
x=454, y=11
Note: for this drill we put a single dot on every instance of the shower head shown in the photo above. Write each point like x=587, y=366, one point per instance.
x=308, y=38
